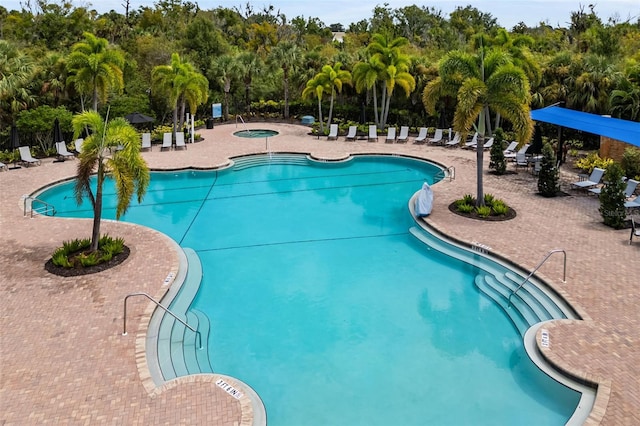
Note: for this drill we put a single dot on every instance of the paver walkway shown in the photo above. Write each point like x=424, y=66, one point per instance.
x=63, y=358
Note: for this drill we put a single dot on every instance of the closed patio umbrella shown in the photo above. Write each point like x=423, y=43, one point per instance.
x=57, y=133
x=138, y=118
x=15, y=142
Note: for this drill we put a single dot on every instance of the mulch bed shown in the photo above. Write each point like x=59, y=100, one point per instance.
x=473, y=215
x=75, y=272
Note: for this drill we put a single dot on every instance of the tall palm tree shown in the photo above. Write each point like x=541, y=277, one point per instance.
x=287, y=55
x=95, y=68
x=365, y=76
x=482, y=84
x=250, y=65
x=392, y=68
x=330, y=79
x=590, y=91
x=223, y=69
x=180, y=84
x=317, y=86
x=126, y=166
x=625, y=99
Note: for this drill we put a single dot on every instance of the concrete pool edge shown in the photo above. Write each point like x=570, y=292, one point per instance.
x=593, y=402
x=253, y=412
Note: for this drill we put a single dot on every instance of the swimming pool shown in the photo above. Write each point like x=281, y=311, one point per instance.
x=321, y=299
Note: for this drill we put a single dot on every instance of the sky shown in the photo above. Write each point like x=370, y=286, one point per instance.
x=508, y=12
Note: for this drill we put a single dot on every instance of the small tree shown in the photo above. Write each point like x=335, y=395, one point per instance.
x=548, y=176
x=612, y=197
x=498, y=162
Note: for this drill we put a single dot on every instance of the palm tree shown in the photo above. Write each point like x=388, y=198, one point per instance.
x=180, y=84
x=250, y=65
x=625, y=99
x=223, y=69
x=391, y=68
x=330, y=79
x=480, y=85
x=99, y=156
x=95, y=68
x=287, y=55
x=365, y=75
x=16, y=73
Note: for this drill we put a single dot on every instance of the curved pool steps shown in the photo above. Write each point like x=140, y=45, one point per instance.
x=241, y=163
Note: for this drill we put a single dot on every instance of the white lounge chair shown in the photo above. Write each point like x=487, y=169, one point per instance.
x=351, y=135
x=593, y=180
x=635, y=231
x=488, y=144
x=63, y=153
x=77, y=145
x=404, y=134
x=522, y=150
x=333, y=133
x=455, y=141
x=3, y=166
x=628, y=191
x=511, y=148
x=26, y=158
x=146, y=141
x=521, y=159
x=633, y=204
x=167, y=141
x=422, y=135
x=472, y=143
x=180, y=140
x=373, y=133
x=437, y=137
x=391, y=135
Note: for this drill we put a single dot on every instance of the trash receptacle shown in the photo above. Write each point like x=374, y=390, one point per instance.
x=209, y=123
x=308, y=120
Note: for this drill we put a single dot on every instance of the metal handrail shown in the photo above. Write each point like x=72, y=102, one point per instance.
x=452, y=173
x=124, y=331
x=47, y=207
x=564, y=274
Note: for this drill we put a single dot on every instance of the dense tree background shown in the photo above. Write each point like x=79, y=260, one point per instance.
x=258, y=62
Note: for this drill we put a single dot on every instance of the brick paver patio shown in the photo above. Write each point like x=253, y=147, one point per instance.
x=63, y=358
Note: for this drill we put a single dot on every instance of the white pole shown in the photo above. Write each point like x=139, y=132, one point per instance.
x=193, y=125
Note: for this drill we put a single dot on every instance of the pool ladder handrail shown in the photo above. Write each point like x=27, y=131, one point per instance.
x=124, y=331
x=46, y=208
x=246, y=129
x=547, y=256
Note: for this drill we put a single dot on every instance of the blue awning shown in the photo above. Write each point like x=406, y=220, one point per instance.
x=614, y=128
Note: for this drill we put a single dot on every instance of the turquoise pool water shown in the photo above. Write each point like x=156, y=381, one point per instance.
x=320, y=299
x=255, y=133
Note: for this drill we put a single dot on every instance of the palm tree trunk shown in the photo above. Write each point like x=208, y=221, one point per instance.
x=386, y=112
x=382, y=106
x=95, y=98
x=330, y=110
x=375, y=105
x=479, y=160
x=175, y=122
x=286, y=95
x=183, y=108
x=97, y=208
x=320, y=114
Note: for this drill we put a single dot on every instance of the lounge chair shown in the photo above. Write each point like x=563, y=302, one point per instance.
x=593, y=180
x=77, y=145
x=351, y=135
x=63, y=153
x=635, y=231
x=167, y=141
x=522, y=150
x=180, y=140
x=26, y=158
x=391, y=135
x=511, y=148
x=333, y=133
x=472, y=143
x=146, y=141
x=521, y=159
x=628, y=191
x=437, y=137
x=373, y=133
x=404, y=134
x=3, y=166
x=633, y=204
x=488, y=144
x=455, y=141
x=422, y=135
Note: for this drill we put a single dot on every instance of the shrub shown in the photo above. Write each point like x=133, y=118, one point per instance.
x=548, y=177
x=591, y=161
x=630, y=162
x=489, y=199
x=465, y=208
x=469, y=199
x=483, y=211
x=500, y=208
x=612, y=197
x=72, y=253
